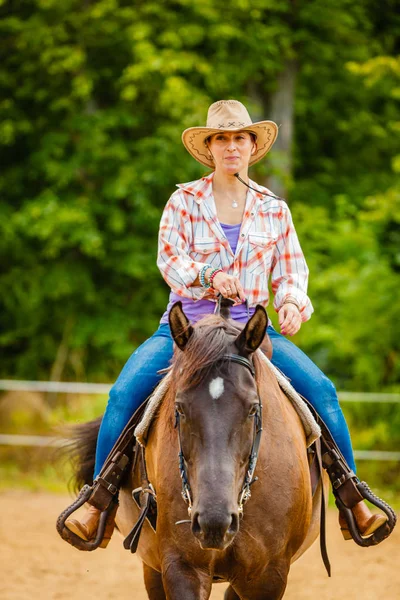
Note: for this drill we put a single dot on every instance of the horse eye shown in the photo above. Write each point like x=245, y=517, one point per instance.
x=179, y=409
x=253, y=410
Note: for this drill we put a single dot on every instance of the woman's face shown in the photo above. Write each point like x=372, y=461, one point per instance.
x=231, y=151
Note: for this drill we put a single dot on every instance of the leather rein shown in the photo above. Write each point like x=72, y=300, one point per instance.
x=249, y=478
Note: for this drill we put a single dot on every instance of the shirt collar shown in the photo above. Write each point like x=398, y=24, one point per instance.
x=202, y=188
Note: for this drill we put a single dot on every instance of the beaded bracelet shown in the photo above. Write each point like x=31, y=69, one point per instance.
x=212, y=275
x=202, y=277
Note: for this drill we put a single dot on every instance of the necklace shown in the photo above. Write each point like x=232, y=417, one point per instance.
x=234, y=202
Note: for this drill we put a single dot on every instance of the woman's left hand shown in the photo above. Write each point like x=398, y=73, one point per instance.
x=289, y=319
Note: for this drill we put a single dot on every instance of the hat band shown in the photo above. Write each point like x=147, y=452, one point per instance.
x=234, y=124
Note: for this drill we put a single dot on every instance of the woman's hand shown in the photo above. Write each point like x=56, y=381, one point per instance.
x=229, y=286
x=289, y=319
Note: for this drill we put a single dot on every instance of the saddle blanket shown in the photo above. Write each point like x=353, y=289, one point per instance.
x=311, y=427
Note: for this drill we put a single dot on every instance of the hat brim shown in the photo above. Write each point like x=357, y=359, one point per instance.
x=193, y=139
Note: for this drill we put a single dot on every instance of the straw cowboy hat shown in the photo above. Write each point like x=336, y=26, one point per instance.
x=228, y=115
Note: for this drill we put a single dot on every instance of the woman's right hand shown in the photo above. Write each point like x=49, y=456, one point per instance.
x=229, y=287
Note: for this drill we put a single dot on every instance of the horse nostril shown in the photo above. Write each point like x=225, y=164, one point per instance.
x=213, y=529
x=234, y=526
x=196, y=529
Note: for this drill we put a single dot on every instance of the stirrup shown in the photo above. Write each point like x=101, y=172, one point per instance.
x=70, y=536
x=348, y=489
x=103, y=495
x=382, y=532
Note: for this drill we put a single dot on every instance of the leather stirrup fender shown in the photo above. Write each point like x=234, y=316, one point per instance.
x=106, y=485
x=103, y=494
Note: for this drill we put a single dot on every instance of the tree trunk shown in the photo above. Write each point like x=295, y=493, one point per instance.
x=279, y=107
x=282, y=112
x=60, y=358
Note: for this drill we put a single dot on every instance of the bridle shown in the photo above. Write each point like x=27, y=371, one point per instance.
x=249, y=479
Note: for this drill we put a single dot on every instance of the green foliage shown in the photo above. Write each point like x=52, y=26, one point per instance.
x=39, y=476
x=95, y=97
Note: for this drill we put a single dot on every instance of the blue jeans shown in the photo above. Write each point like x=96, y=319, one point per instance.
x=139, y=377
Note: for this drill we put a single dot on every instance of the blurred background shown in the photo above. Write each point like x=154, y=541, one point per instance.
x=94, y=97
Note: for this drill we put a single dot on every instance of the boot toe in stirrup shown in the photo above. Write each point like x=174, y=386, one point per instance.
x=77, y=528
x=85, y=527
x=374, y=523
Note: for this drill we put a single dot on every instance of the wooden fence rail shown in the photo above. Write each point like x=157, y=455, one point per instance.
x=65, y=387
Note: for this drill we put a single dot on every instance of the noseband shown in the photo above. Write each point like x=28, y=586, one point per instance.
x=249, y=479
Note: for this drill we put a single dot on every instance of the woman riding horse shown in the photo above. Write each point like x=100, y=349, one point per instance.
x=218, y=237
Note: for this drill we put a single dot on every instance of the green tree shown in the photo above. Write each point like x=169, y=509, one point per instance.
x=94, y=98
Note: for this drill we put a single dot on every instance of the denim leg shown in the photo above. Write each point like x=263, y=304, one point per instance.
x=310, y=382
x=136, y=381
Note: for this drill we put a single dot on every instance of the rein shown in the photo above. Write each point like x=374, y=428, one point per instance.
x=249, y=479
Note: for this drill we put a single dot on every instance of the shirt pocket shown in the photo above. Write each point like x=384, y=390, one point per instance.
x=261, y=246
x=205, y=249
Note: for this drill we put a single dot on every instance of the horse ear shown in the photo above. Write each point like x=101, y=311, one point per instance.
x=253, y=334
x=181, y=329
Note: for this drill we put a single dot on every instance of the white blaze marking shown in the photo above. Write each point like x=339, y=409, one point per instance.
x=216, y=388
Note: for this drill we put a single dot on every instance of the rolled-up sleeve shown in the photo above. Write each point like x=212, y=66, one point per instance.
x=175, y=234
x=289, y=273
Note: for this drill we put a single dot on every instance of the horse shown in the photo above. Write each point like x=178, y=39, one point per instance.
x=208, y=435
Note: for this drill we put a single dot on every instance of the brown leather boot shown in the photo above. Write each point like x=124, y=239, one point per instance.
x=367, y=522
x=86, y=527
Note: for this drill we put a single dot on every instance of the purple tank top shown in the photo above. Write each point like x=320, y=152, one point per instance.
x=195, y=310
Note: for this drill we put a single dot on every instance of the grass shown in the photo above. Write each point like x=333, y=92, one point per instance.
x=44, y=479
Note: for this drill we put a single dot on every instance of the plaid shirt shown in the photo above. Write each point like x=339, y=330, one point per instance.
x=190, y=236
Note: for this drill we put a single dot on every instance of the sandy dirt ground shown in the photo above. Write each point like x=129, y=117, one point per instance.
x=36, y=564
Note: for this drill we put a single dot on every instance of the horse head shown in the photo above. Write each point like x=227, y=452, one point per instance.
x=218, y=414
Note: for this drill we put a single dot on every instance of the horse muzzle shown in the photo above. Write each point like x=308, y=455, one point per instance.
x=215, y=531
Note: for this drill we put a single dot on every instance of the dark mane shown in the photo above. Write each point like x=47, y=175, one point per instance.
x=210, y=340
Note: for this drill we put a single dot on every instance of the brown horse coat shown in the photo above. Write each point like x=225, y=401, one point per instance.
x=279, y=522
